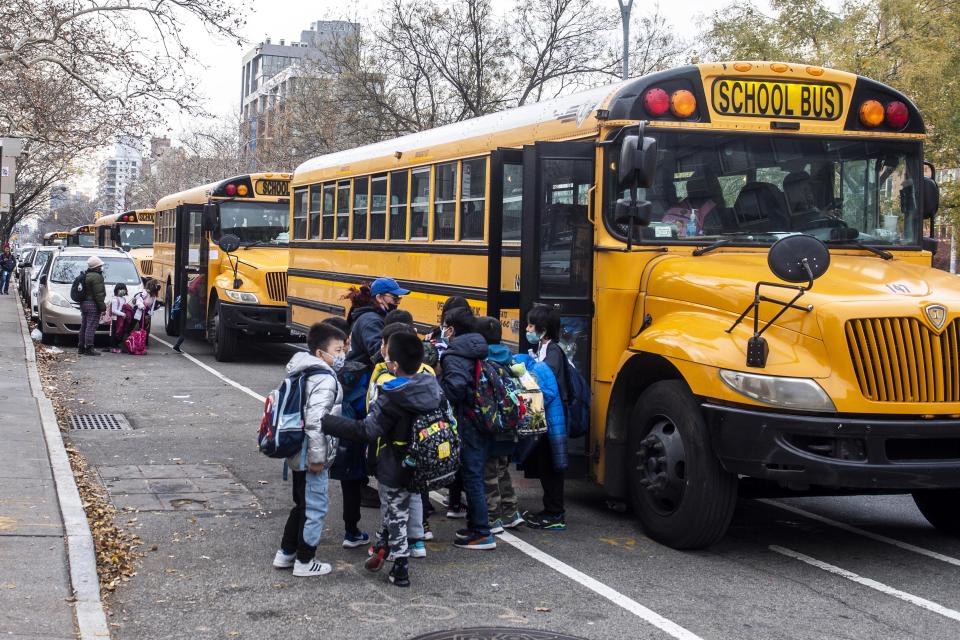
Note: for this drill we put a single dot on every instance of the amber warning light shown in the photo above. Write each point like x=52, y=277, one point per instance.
x=681, y=103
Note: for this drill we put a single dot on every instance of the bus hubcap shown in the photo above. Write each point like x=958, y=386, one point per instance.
x=661, y=466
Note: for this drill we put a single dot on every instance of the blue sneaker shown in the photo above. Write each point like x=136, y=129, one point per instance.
x=476, y=541
x=354, y=540
x=418, y=549
x=496, y=526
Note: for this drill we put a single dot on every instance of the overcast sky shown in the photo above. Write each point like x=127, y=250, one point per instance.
x=287, y=18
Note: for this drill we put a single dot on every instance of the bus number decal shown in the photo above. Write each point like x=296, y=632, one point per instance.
x=791, y=100
x=273, y=188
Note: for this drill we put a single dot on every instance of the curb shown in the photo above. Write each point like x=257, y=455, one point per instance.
x=82, y=560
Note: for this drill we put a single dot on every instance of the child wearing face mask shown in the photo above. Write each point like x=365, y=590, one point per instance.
x=324, y=396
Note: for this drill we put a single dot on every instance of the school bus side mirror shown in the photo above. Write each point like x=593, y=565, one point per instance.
x=931, y=198
x=229, y=243
x=638, y=161
x=632, y=213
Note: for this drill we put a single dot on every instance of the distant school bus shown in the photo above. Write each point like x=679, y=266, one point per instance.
x=646, y=213
x=82, y=236
x=55, y=238
x=222, y=248
x=131, y=231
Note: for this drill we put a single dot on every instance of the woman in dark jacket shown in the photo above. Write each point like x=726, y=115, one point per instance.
x=543, y=331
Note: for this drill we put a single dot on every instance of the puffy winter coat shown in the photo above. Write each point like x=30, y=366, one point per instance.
x=553, y=407
x=324, y=397
x=458, y=376
x=366, y=334
x=94, y=289
x=390, y=423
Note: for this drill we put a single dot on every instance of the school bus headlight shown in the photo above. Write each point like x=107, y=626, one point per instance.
x=242, y=296
x=682, y=103
x=871, y=113
x=801, y=394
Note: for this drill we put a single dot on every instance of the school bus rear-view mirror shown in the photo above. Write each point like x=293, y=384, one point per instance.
x=229, y=243
x=638, y=161
x=931, y=198
x=633, y=213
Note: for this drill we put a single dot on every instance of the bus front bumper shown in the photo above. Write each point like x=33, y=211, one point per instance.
x=256, y=319
x=800, y=451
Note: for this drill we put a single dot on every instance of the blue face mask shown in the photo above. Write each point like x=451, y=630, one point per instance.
x=533, y=337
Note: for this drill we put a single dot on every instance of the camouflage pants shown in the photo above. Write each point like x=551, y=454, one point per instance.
x=501, y=498
x=397, y=518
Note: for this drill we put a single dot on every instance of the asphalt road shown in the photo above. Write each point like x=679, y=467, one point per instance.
x=206, y=572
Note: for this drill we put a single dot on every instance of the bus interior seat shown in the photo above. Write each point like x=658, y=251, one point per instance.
x=761, y=206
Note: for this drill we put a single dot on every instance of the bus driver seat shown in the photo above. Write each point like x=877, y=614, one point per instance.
x=761, y=206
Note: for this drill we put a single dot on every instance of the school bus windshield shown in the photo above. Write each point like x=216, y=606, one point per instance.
x=758, y=188
x=136, y=236
x=261, y=223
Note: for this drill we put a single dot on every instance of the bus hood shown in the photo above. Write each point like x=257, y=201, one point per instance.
x=265, y=259
x=727, y=281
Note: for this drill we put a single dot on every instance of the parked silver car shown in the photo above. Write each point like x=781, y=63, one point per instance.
x=31, y=277
x=59, y=315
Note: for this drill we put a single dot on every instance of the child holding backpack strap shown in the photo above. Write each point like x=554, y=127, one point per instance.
x=322, y=400
x=390, y=421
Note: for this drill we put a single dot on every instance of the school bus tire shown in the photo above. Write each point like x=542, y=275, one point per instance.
x=680, y=493
x=172, y=329
x=225, y=339
x=939, y=507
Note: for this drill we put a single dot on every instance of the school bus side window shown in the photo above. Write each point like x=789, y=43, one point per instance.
x=445, y=201
x=343, y=210
x=300, y=214
x=378, y=207
x=473, y=184
x=419, y=203
x=329, y=195
x=398, y=205
x=315, y=199
x=360, y=200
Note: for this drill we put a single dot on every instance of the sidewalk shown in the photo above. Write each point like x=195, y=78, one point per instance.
x=35, y=592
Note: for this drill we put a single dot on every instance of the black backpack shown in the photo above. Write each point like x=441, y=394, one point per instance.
x=434, y=449
x=78, y=290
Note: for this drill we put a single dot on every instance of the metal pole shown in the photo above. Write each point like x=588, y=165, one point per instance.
x=625, y=8
x=953, y=248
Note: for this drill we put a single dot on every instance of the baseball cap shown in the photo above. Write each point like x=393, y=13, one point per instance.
x=387, y=285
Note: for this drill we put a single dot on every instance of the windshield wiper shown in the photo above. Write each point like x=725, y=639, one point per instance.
x=710, y=247
x=886, y=255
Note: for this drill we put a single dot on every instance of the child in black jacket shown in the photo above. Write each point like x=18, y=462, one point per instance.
x=389, y=423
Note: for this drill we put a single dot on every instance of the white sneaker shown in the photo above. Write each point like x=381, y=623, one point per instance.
x=312, y=568
x=283, y=561
x=418, y=549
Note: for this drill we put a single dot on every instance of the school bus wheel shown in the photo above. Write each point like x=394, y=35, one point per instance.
x=225, y=339
x=171, y=328
x=679, y=491
x=939, y=507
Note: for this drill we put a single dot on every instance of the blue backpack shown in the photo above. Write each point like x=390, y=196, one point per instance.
x=578, y=401
x=281, y=433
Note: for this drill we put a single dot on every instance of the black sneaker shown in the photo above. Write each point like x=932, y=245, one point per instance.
x=544, y=521
x=399, y=575
x=90, y=351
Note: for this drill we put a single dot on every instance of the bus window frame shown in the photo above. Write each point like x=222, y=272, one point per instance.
x=460, y=200
x=305, y=213
x=453, y=201
x=354, y=209
x=377, y=178
x=405, y=204
x=314, y=190
x=331, y=214
x=428, y=203
x=337, y=214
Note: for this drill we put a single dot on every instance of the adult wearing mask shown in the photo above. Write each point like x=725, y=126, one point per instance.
x=7, y=264
x=369, y=306
x=93, y=305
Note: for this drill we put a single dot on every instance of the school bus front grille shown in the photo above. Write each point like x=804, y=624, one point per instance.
x=277, y=286
x=146, y=267
x=902, y=360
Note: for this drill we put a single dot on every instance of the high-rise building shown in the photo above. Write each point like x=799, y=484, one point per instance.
x=119, y=171
x=270, y=71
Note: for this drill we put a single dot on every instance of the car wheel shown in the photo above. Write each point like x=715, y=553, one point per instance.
x=225, y=339
x=939, y=507
x=680, y=493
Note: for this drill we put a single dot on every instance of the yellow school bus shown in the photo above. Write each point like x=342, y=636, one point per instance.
x=131, y=231
x=737, y=253
x=55, y=238
x=222, y=249
x=82, y=236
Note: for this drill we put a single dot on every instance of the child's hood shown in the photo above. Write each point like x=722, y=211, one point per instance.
x=419, y=394
x=500, y=354
x=303, y=360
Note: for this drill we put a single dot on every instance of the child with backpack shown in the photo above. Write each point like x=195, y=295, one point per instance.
x=118, y=317
x=548, y=460
x=391, y=421
x=458, y=378
x=322, y=397
x=501, y=498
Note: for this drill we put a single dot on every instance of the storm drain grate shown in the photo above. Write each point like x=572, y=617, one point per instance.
x=99, y=422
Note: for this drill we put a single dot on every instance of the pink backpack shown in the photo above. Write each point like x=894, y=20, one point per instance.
x=137, y=342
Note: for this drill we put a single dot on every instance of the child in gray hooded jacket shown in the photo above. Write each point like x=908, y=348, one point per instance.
x=311, y=468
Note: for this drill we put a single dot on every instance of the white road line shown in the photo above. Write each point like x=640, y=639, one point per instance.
x=873, y=584
x=863, y=532
x=667, y=626
x=233, y=383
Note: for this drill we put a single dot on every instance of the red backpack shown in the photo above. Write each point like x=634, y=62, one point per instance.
x=136, y=343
